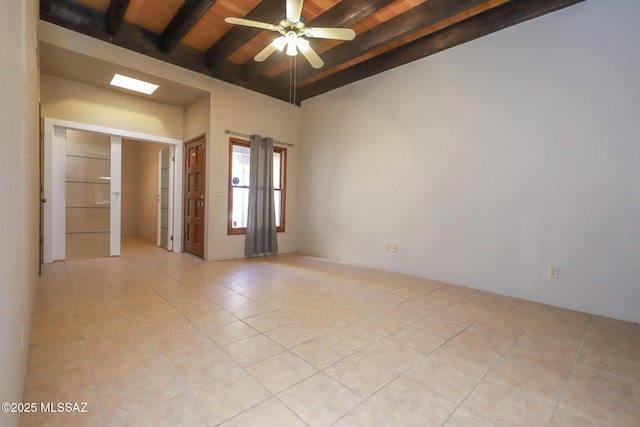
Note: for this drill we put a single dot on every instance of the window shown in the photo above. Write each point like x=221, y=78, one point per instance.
x=239, y=163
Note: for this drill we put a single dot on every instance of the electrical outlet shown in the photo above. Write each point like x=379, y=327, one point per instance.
x=554, y=272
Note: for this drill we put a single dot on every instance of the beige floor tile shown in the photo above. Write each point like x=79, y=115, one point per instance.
x=562, y=419
x=155, y=338
x=281, y=371
x=438, y=375
x=198, y=371
x=167, y=329
x=65, y=326
x=361, y=374
x=463, y=417
x=184, y=347
x=222, y=400
x=425, y=305
x=354, y=337
x=534, y=380
x=175, y=411
x=322, y=324
x=268, y=321
x=322, y=351
x=453, y=292
x=547, y=348
x=381, y=325
x=601, y=397
x=418, y=340
x=79, y=415
x=460, y=312
x=319, y=400
x=393, y=355
x=502, y=330
x=128, y=362
x=254, y=349
x=292, y=334
x=611, y=363
x=231, y=300
x=438, y=327
x=57, y=355
x=506, y=407
x=367, y=414
x=620, y=339
x=271, y=413
x=472, y=353
x=296, y=312
x=123, y=396
x=413, y=404
x=229, y=333
x=73, y=383
x=249, y=309
x=206, y=315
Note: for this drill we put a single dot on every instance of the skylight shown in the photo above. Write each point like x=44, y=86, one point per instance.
x=133, y=84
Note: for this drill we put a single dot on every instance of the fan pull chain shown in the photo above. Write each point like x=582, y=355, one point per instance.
x=293, y=79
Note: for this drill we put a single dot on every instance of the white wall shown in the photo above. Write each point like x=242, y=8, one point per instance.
x=130, y=187
x=148, y=191
x=491, y=161
x=78, y=102
x=19, y=189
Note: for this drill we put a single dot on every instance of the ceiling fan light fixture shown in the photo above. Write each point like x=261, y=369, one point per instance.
x=280, y=43
x=303, y=44
x=291, y=44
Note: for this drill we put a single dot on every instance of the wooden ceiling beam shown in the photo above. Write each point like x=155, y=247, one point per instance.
x=418, y=18
x=183, y=21
x=343, y=14
x=115, y=15
x=238, y=36
x=91, y=23
x=496, y=19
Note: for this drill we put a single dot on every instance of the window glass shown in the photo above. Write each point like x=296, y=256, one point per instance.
x=239, y=170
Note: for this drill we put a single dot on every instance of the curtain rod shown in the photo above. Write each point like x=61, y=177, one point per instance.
x=230, y=132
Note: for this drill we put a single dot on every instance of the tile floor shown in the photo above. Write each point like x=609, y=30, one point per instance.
x=159, y=339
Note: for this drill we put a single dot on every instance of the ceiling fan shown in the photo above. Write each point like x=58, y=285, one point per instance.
x=292, y=27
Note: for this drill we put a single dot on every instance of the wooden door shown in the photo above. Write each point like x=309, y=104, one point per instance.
x=194, y=195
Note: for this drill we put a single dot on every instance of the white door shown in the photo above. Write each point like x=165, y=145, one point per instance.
x=102, y=196
x=91, y=194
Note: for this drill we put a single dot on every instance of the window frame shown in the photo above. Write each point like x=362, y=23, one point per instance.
x=283, y=187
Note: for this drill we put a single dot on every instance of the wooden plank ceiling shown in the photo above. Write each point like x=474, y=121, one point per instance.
x=193, y=34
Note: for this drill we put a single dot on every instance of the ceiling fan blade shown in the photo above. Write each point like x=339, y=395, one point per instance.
x=308, y=52
x=294, y=10
x=330, y=33
x=250, y=23
x=266, y=52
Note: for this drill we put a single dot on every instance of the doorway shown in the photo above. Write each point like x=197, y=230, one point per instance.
x=56, y=220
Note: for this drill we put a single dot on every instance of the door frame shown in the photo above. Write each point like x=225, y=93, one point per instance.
x=54, y=177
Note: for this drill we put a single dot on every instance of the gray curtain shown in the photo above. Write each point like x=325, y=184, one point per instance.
x=261, y=238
